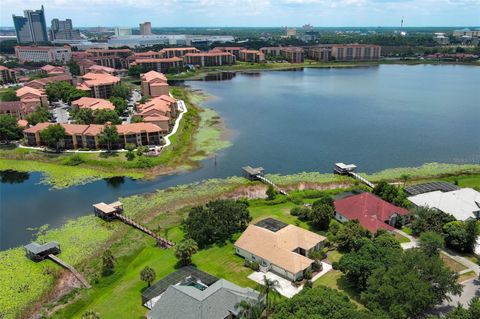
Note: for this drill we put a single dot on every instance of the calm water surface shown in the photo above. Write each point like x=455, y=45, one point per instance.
x=291, y=121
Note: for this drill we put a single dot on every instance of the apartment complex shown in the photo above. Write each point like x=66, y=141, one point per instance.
x=160, y=111
x=30, y=100
x=58, y=55
x=177, y=52
x=113, y=58
x=162, y=65
x=40, y=84
x=154, y=84
x=146, y=55
x=63, y=31
x=31, y=28
x=99, y=85
x=87, y=136
x=52, y=70
x=92, y=104
x=209, y=59
x=291, y=54
x=345, y=52
x=233, y=50
x=145, y=28
x=7, y=75
x=253, y=56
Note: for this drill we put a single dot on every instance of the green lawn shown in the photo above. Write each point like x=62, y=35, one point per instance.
x=335, y=279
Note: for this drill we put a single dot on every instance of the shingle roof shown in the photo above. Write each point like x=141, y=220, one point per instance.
x=215, y=302
x=370, y=210
x=93, y=103
x=277, y=247
x=36, y=248
x=94, y=79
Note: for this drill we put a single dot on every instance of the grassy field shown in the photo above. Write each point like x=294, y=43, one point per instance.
x=452, y=263
x=467, y=276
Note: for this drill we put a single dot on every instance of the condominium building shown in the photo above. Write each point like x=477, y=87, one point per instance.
x=42, y=82
x=7, y=75
x=355, y=52
x=159, y=111
x=87, y=136
x=93, y=104
x=163, y=65
x=31, y=28
x=101, y=69
x=147, y=55
x=99, y=85
x=145, y=28
x=30, y=100
x=233, y=50
x=320, y=53
x=63, y=31
x=291, y=54
x=113, y=58
x=177, y=52
x=209, y=59
x=253, y=56
x=154, y=84
x=53, y=70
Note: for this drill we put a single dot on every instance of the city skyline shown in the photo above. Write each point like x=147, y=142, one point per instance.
x=260, y=13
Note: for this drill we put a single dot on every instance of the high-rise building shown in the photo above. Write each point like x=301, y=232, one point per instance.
x=31, y=27
x=62, y=30
x=145, y=28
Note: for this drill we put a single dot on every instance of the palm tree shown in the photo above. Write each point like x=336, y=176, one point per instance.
x=405, y=178
x=249, y=309
x=269, y=288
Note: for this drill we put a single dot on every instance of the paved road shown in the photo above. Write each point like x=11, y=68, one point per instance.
x=471, y=288
x=60, y=112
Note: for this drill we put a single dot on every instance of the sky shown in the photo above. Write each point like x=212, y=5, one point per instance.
x=252, y=13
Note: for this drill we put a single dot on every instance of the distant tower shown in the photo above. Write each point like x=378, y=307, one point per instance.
x=31, y=27
x=145, y=28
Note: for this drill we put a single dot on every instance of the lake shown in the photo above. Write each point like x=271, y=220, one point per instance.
x=293, y=121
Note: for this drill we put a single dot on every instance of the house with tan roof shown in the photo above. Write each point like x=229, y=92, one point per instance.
x=93, y=104
x=154, y=84
x=279, y=247
x=99, y=85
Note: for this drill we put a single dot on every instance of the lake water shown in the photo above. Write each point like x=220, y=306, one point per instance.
x=292, y=121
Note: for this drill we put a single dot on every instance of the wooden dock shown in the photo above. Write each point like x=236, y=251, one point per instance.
x=162, y=242
x=258, y=174
x=77, y=275
x=349, y=169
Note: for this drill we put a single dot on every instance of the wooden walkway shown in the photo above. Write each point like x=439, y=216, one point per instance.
x=269, y=182
x=78, y=275
x=162, y=242
x=362, y=179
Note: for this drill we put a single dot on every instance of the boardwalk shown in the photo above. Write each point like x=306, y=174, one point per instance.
x=162, y=242
x=362, y=179
x=78, y=275
x=269, y=182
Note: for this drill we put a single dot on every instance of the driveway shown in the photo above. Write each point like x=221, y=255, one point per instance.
x=471, y=288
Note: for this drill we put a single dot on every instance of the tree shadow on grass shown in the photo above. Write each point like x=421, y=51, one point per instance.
x=344, y=285
x=108, y=155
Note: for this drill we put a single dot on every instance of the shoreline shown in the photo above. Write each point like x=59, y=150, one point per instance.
x=84, y=238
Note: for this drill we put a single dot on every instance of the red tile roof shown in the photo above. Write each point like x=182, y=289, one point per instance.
x=370, y=210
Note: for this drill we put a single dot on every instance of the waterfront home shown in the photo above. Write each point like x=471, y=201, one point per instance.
x=78, y=136
x=371, y=211
x=99, y=85
x=279, y=247
x=190, y=293
x=93, y=104
x=463, y=204
x=291, y=54
x=38, y=252
x=154, y=84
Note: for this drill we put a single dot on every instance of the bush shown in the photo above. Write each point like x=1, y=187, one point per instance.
x=144, y=162
x=335, y=265
x=295, y=211
x=254, y=266
x=278, y=200
x=74, y=160
x=308, y=284
x=308, y=274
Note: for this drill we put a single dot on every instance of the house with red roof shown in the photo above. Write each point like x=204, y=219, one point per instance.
x=371, y=211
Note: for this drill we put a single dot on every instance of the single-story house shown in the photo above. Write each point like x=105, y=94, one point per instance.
x=462, y=203
x=279, y=247
x=190, y=293
x=371, y=211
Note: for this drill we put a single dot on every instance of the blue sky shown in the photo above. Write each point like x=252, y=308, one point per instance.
x=165, y=13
